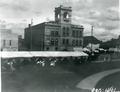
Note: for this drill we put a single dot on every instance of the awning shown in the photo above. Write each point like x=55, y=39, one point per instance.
x=41, y=54
x=12, y=54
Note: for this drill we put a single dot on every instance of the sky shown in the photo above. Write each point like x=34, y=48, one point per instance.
x=103, y=15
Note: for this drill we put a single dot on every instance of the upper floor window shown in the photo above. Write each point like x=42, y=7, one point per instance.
x=65, y=15
x=73, y=33
x=63, y=41
x=10, y=42
x=80, y=43
x=80, y=34
x=77, y=43
x=67, y=41
x=73, y=42
x=54, y=33
x=65, y=31
x=56, y=42
x=77, y=33
x=52, y=42
x=4, y=42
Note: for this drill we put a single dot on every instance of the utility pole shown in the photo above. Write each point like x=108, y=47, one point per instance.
x=91, y=37
x=31, y=34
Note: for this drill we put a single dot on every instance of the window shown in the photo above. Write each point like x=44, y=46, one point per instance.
x=4, y=42
x=56, y=33
x=58, y=16
x=63, y=31
x=73, y=42
x=80, y=43
x=56, y=42
x=80, y=34
x=52, y=42
x=47, y=48
x=66, y=15
x=63, y=41
x=76, y=42
x=73, y=33
x=77, y=33
x=67, y=42
x=10, y=42
x=56, y=48
x=52, y=33
x=67, y=31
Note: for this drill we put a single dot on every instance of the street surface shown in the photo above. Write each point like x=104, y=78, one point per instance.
x=63, y=78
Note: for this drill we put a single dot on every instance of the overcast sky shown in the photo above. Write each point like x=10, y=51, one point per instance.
x=102, y=14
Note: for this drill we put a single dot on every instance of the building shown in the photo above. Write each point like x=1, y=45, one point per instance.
x=118, y=44
x=91, y=40
x=21, y=44
x=58, y=35
x=9, y=40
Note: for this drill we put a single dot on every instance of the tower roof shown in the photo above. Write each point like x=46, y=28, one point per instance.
x=61, y=7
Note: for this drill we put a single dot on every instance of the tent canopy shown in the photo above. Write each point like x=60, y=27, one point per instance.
x=41, y=54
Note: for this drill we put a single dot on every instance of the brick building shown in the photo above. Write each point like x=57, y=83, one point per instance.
x=118, y=44
x=59, y=35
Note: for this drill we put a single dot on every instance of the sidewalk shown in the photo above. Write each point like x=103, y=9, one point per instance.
x=91, y=81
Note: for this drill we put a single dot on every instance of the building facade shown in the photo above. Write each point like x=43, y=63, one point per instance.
x=118, y=44
x=58, y=35
x=9, y=40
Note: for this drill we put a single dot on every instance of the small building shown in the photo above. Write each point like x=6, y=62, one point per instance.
x=21, y=44
x=118, y=44
x=93, y=46
x=9, y=40
x=58, y=35
x=91, y=42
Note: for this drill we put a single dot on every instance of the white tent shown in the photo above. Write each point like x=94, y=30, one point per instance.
x=41, y=54
x=12, y=54
x=57, y=54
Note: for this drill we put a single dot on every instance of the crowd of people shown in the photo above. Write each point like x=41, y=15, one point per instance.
x=17, y=63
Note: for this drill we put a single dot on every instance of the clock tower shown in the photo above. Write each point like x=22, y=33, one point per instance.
x=63, y=14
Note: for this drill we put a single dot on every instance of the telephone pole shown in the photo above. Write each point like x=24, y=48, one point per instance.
x=31, y=34
x=91, y=37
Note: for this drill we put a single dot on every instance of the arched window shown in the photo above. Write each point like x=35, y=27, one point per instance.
x=56, y=33
x=77, y=32
x=80, y=34
x=76, y=42
x=73, y=33
x=73, y=42
x=67, y=42
x=80, y=43
x=63, y=31
x=63, y=41
x=66, y=15
x=58, y=16
x=52, y=42
x=67, y=31
x=56, y=42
